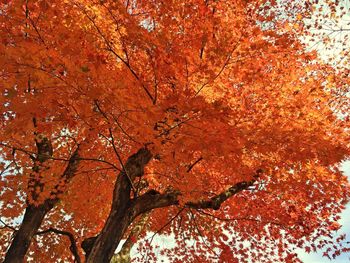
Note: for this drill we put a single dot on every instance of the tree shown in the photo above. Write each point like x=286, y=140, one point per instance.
x=208, y=119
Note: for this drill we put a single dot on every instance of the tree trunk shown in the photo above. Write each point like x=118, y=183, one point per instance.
x=121, y=214
x=23, y=237
x=124, y=210
x=123, y=255
x=109, y=238
x=34, y=214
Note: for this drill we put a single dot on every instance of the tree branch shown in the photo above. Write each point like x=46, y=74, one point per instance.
x=120, y=160
x=216, y=201
x=153, y=199
x=124, y=254
x=36, y=210
x=67, y=175
x=7, y=226
x=73, y=247
x=102, y=247
x=29, y=153
x=111, y=49
x=190, y=167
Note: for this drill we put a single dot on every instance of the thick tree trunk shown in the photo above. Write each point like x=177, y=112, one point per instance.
x=23, y=237
x=109, y=238
x=34, y=215
x=124, y=210
x=121, y=214
x=115, y=226
x=123, y=255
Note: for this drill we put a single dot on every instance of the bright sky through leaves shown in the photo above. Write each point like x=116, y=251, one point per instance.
x=210, y=121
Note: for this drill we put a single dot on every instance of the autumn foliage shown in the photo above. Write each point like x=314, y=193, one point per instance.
x=207, y=121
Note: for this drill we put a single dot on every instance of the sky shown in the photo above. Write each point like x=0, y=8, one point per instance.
x=335, y=52
x=345, y=216
x=166, y=241
x=337, y=39
x=345, y=222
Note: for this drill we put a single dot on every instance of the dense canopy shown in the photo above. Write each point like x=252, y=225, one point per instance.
x=208, y=121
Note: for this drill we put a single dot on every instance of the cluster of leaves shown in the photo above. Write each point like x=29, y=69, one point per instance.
x=221, y=92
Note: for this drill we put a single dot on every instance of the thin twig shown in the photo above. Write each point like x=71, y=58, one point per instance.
x=7, y=226
x=222, y=68
x=121, y=161
x=110, y=48
x=164, y=226
x=192, y=165
x=240, y=219
x=200, y=234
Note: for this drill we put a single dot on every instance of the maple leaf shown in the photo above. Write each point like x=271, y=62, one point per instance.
x=207, y=121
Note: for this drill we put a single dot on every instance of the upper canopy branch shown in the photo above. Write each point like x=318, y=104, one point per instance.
x=153, y=199
x=110, y=48
x=216, y=201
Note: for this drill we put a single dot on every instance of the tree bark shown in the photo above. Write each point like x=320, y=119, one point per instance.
x=123, y=255
x=121, y=214
x=34, y=214
x=23, y=237
x=124, y=210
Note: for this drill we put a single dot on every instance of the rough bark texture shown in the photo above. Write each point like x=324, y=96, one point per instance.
x=216, y=201
x=123, y=255
x=34, y=215
x=124, y=210
x=23, y=237
x=121, y=214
